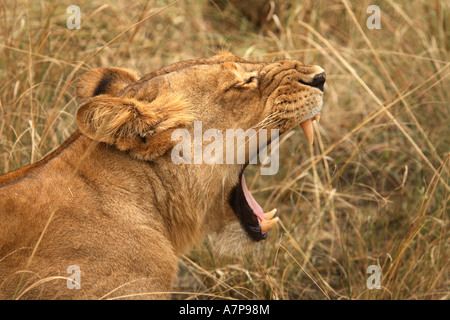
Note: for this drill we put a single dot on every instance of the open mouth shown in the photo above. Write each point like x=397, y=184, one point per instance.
x=252, y=217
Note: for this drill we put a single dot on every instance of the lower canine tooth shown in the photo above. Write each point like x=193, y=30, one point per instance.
x=266, y=225
x=269, y=215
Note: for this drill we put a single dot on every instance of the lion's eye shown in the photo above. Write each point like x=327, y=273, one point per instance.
x=243, y=84
x=250, y=80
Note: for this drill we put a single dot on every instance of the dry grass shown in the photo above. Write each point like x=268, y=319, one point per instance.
x=373, y=190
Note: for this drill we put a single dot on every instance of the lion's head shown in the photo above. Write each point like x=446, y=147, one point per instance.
x=143, y=117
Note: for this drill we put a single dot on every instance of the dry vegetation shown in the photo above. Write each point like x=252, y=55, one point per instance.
x=373, y=190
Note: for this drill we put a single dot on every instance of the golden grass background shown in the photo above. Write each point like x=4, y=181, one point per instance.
x=374, y=188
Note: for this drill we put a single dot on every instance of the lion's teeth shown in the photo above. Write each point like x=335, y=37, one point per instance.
x=308, y=130
x=317, y=118
x=269, y=215
x=266, y=225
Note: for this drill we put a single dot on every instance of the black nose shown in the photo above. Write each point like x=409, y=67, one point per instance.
x=318, y=81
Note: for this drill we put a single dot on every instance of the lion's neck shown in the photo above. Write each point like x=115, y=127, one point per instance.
x=168, y=198
x=173, y=200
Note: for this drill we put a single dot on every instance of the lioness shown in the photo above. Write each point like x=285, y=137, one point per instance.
x=108, y=213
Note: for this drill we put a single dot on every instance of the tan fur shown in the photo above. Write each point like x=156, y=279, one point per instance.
x=103, y=80
x=112, y=202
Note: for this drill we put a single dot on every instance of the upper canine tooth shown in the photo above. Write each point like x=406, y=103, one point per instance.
x=266, y=225
x=308, y=130
x=317, y=118
x=269, y=215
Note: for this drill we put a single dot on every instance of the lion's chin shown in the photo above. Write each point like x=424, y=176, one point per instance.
x=232, y=239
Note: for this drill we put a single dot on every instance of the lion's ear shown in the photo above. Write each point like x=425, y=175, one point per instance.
x=144, y=129
x=107, y=81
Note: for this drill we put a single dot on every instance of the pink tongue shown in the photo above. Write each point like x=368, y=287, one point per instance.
x=257, y=210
